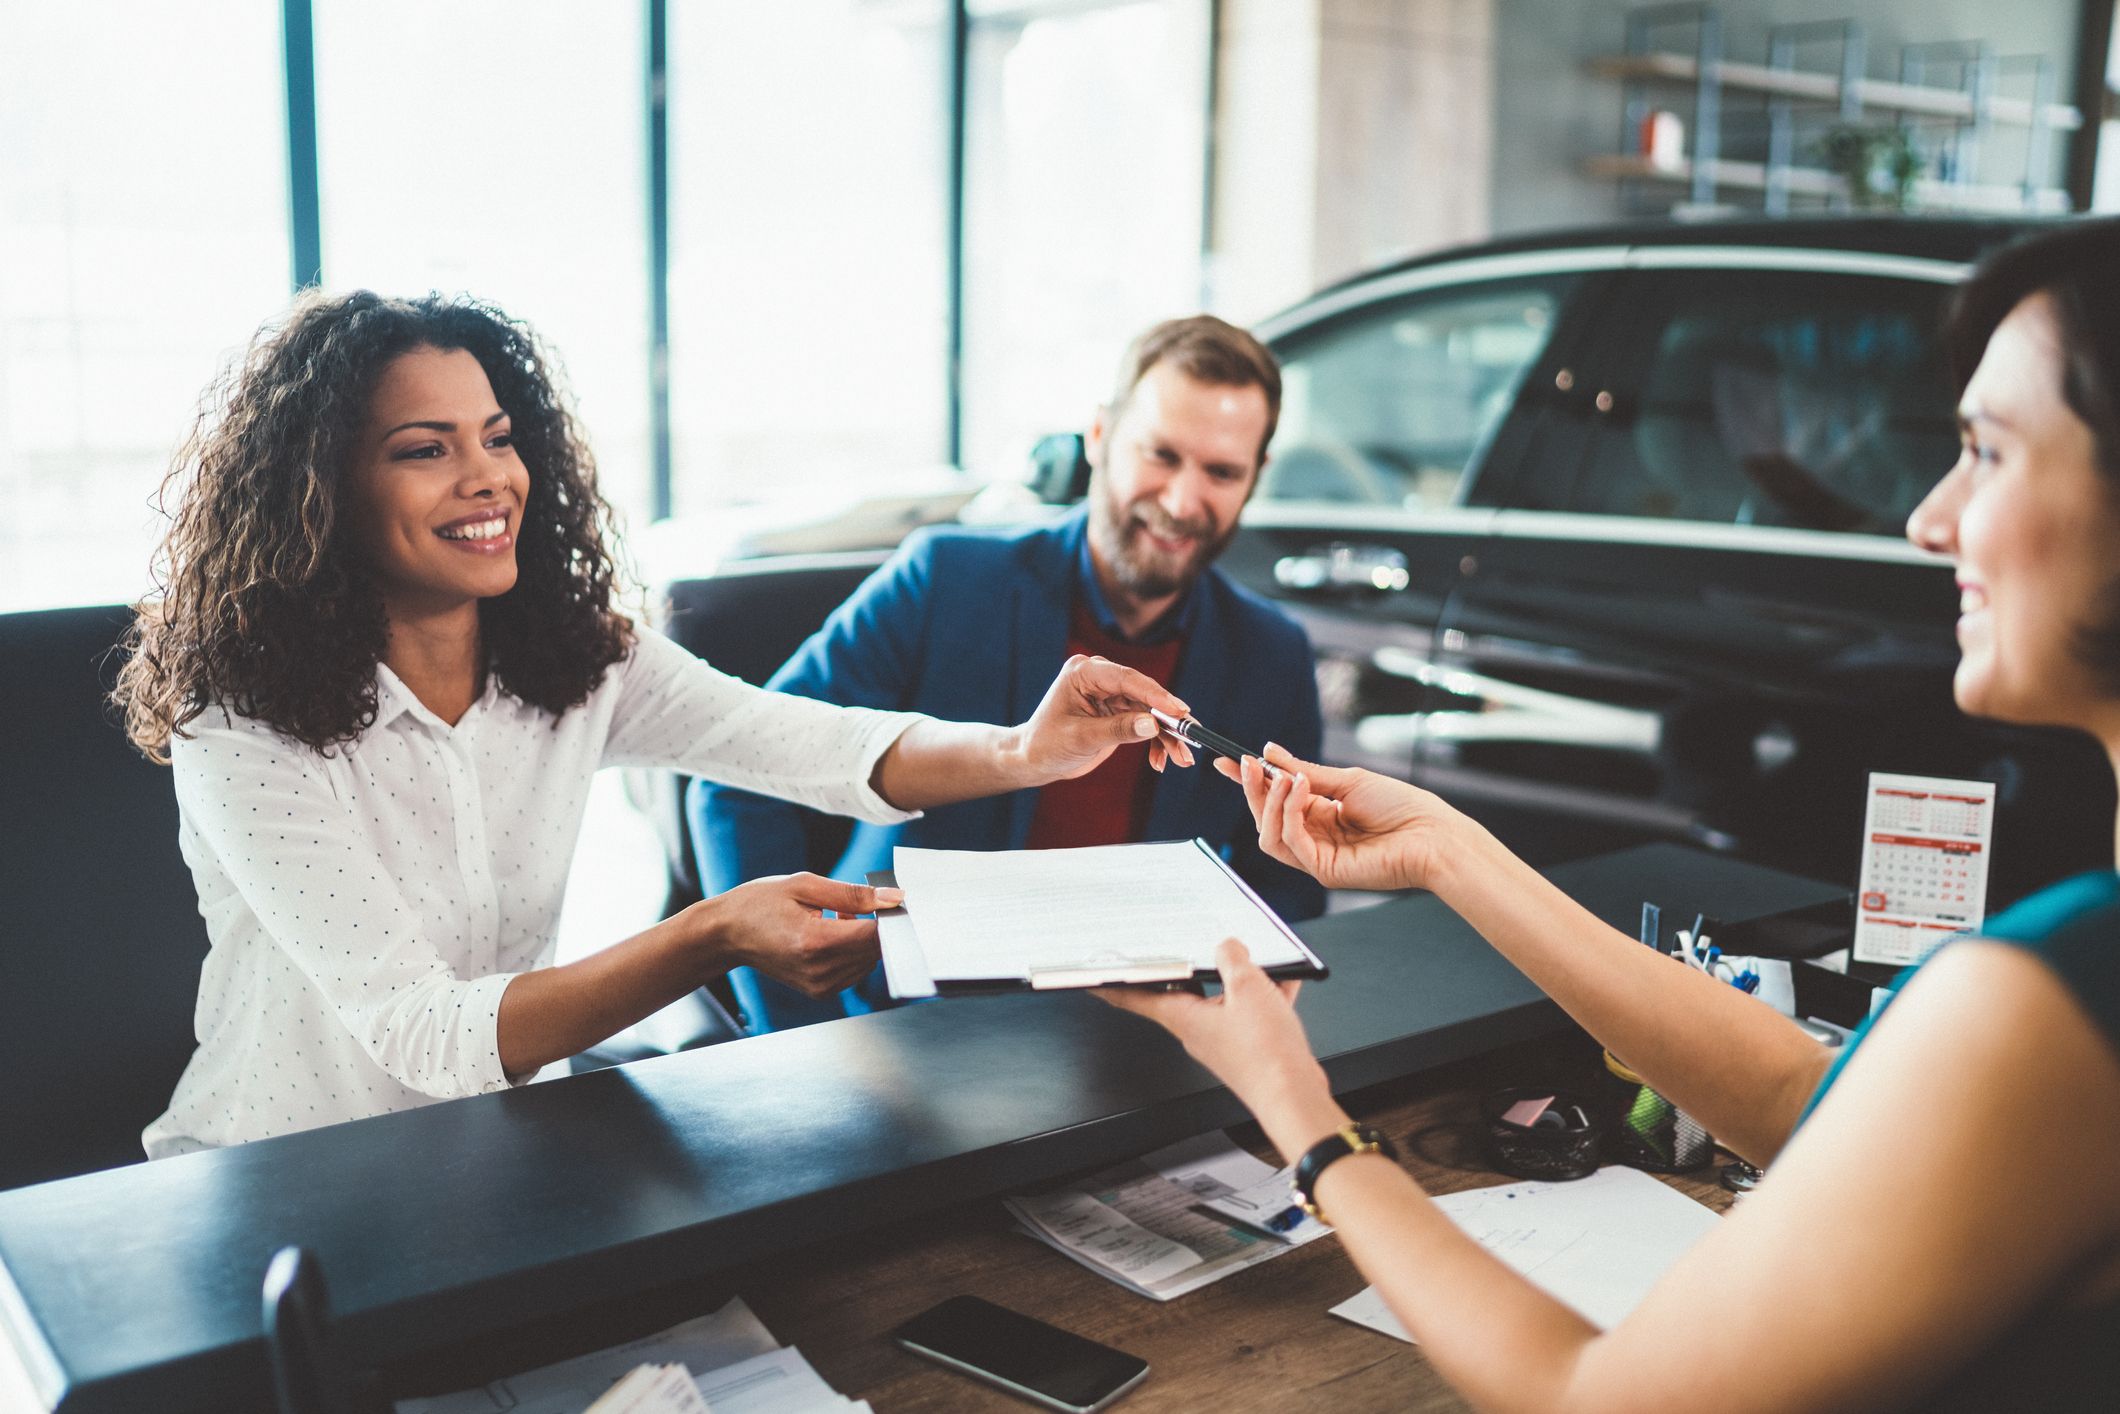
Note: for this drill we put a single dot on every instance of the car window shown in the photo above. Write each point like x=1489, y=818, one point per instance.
x=1391, y=404
x=1782, y=398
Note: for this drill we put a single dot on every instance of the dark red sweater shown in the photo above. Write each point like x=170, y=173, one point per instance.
x=1110, y=804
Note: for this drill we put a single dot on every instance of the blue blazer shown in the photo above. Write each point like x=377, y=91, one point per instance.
x=971, y=625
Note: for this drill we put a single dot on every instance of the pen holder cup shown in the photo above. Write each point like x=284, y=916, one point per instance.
x=1653, y=1134
x=1562, y=1143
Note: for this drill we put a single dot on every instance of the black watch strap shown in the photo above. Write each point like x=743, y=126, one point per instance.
x=1349, y=1139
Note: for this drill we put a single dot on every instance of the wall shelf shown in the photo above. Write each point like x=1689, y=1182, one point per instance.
x=1884, y=95
x=1814, y=181
x=1972, y=115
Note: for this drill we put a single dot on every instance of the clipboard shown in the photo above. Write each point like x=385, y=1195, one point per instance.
x=906, y=968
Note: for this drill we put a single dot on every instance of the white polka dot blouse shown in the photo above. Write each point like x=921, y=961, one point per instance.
x=368, y=907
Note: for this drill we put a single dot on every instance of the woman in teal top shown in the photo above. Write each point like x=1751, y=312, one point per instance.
x=1943, y=1229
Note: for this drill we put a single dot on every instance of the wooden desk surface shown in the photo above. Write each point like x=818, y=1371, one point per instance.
x=1259, y=1340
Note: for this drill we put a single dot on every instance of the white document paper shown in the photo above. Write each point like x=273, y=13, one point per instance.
x=780, y=1382
x=1011, y=913
x=1597, y=1244
x=1266, y=1205
x=905, y=969
x=724, y=1338
x=652, y=1389
x=1925, y=849
x=1137, y=1223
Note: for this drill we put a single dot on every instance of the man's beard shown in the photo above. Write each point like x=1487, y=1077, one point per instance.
x=1140, y=570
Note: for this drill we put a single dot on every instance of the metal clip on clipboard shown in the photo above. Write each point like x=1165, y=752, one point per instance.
x=1113, y=973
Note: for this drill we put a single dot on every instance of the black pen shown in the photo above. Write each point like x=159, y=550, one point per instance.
x=1189, y=731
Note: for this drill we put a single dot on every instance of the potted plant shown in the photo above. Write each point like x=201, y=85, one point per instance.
x=1880, y=165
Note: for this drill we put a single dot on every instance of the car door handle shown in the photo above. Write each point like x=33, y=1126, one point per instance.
x=1340, y=568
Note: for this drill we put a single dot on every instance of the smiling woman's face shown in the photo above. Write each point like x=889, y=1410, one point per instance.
x=438, y=489
x=2034, y=529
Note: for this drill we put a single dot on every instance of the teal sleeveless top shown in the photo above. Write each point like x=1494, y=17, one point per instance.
x=2061, y=1358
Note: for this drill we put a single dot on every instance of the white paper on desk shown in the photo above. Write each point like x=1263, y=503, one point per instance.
x=1264, y=1203
x=780, y=1382
x=1225, y=1179
x=652, y=1389
x=726, y=1337
x=1103, y=1234
x=1597, y=1244
x=1008, y=913
x=1136, y=1223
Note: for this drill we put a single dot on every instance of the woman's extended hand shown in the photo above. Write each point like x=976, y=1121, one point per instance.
x=1348, y=828
x=777, y=925
x=1251, y=1038
x=1092, y=708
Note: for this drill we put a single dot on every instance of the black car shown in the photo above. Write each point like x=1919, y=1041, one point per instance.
x=1598, y=534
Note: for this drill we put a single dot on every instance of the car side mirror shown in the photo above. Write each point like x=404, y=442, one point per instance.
x=1060, y=468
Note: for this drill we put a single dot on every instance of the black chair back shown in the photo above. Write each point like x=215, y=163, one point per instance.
x=100, y=935
x=747, y=619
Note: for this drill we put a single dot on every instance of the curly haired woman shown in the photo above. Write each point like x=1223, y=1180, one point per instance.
x=1941, y=1227
x=384, y=667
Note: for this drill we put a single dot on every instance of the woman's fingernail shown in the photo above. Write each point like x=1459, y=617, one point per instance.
x=1144, y=726
x=889, y=898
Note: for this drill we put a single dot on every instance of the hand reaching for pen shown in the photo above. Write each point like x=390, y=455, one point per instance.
x=1094, y=707
x=1347, y=828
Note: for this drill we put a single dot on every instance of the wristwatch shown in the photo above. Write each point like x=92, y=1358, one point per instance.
x=1349, y=1139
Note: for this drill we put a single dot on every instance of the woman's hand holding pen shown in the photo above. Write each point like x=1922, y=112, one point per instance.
x=1348, y=828
x=1251, y=1038
x=1092, y=708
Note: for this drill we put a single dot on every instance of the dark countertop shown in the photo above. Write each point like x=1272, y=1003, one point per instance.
x=138, y=1287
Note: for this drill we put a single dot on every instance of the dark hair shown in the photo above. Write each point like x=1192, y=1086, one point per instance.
x=1209, y=349
x=266, y=608
x=2077, y=267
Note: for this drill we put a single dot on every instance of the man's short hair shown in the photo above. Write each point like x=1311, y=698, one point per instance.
x=1210, y=350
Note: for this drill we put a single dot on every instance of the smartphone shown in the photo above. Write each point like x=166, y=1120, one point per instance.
x=1027, y=1357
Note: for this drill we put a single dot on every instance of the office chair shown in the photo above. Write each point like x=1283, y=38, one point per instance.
x=100, y=936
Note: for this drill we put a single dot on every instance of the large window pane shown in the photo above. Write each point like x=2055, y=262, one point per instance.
x=1390, y=406
x=1087, y=139
x=498, y=147
x=808, y=266
x=143, y=238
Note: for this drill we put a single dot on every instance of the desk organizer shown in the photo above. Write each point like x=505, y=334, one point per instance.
x=1555, y=1147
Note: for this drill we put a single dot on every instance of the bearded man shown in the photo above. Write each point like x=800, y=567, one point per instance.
x=971, y=624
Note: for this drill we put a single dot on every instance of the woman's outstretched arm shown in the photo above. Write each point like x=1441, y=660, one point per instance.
x=1931, y=1204
x=1094, y=707
x=1738, y=1066
x=778, y=925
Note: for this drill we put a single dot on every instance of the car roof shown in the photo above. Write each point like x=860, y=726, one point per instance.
x=1955, y=238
